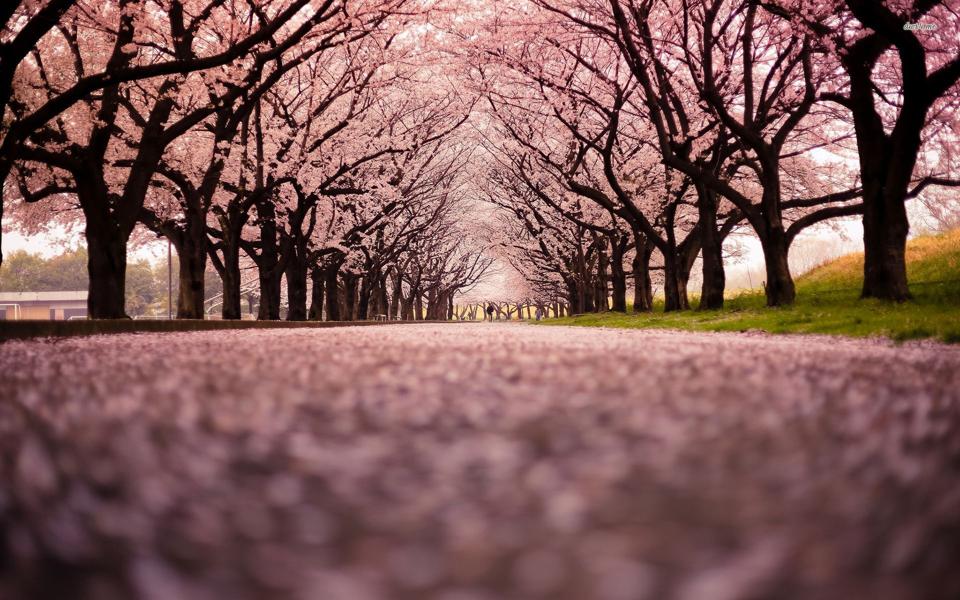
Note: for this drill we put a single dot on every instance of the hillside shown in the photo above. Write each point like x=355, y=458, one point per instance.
x=933, y=269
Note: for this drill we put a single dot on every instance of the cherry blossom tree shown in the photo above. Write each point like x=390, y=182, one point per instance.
x=897, y=66
x=582, y=94
x=293, y=99
x=27, y=28
x=757, y=78
x=112, y=144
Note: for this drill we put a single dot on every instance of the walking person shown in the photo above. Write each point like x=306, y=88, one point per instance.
x=490, y=311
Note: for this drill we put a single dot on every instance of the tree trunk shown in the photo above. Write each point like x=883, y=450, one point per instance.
x=671, y=282
x=618, y=276
x=885, y=229
x=378, y=298
x=350, y=296
x=887, y=163
x=642, y=286
x=268, y=263
x=269, y=295
x=600, y=291
x=395, y=301
x=686, y=257
x=333, y=301
x=683, y=276
x=296, y=272
x=573, y=296
x=433, y=304
x=711, y=252
x=374, y=308
x=107, y=266
x=231, y=228
x=316, y=295
x=383, y=297
x=230, y=278
x=779, y=286
x=363, y=307
x=191, y=248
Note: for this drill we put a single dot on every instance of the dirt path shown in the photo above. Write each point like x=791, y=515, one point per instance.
x=478, y=462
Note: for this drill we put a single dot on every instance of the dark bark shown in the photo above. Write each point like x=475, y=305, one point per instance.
x=230, y=278
x=686, y=258
x=395, y=301
x=676, y=261
x=296, y=272
x=383, y=300
x=191, y=245
x=363, y=306
x=406, y=307
x=588, y=304
x=642, y=286
x=600, y=288
x=191, y=271
x=333, y=301
x=227, y=262
x=711, y=249
x=316, y=295
x=373, y=305
x=885, y=229
x=418, y=306
x=779, y=287
x=270, y=281
x=618, y=275
x=886, y=165
x=432, y=302
x=107, y=266
x=574, y=297
x=269, y=269
x=671, y=288
x=350, y=296
x=683, y=276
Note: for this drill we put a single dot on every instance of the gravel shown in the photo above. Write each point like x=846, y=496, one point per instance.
x=478, y=462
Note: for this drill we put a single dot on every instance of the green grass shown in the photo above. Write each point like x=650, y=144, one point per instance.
x=828, y=302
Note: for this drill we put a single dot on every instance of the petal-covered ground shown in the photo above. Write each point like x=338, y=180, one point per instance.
x=478, y=462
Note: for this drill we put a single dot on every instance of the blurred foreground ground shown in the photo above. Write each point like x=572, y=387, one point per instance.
x=478, y=462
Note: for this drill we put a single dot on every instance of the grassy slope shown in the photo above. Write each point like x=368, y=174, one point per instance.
x=828, y=302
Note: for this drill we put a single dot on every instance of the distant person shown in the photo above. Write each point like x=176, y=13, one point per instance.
x=490, y=311
x=539, y=313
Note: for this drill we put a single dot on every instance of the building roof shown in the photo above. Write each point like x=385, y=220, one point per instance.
x=10, y=297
